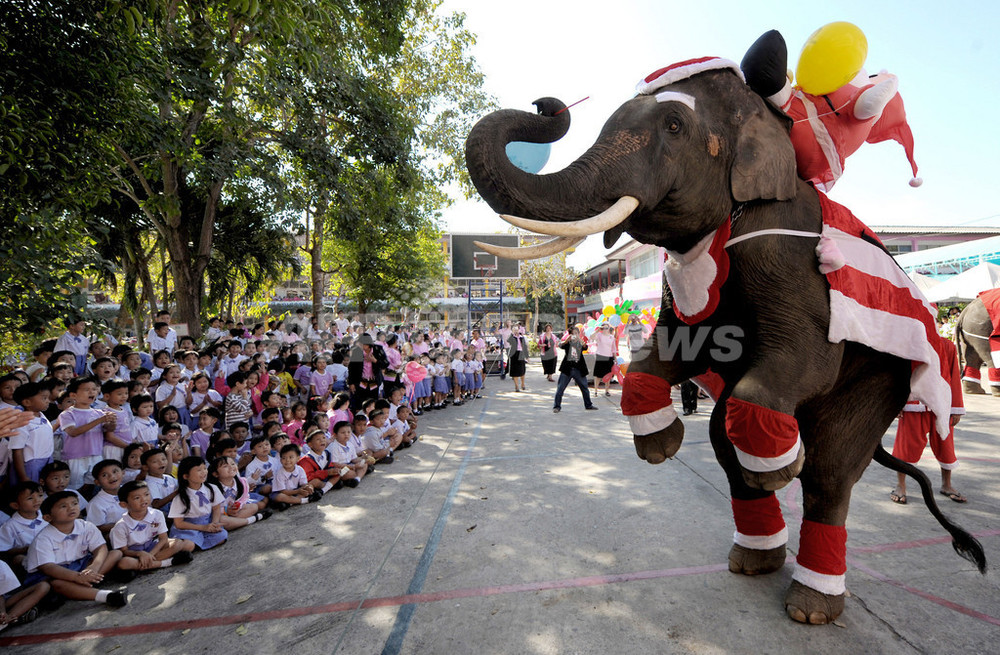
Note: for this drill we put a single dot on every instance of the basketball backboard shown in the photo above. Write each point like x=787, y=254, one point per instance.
x=470, y=262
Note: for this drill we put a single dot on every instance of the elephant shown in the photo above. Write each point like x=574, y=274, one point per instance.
x=696, y=155
x=972, y=336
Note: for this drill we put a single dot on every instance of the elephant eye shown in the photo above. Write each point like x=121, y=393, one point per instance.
x=674, y=126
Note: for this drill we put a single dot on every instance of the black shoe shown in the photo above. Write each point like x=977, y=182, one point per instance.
x=52, y=602
x=118, y=598
x=556, y=410
x=405, y=444
x=352, y=483
x=388, y=459
x=591, y=407
x=315, y=496
x=280, y=506
x=119, y=576
x=417, y=412
x=182, y=557
x=264, y=514
x=27, y=617
x=687, y=412
x=339, y=484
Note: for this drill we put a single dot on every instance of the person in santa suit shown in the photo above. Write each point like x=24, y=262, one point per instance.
x=916, y=428
x=827, y=129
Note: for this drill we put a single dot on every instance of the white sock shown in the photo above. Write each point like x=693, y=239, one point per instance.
x=102, y=596
x=167, y=562
x=327, y=487
x=303, y=501
x=252, y=519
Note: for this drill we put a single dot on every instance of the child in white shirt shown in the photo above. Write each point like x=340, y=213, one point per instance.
x=25, y=522
x=141, y=533
x=197, y=508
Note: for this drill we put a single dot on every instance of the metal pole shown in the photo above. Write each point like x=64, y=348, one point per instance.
x=468, y=316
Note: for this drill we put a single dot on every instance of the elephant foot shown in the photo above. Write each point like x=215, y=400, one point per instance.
x=807, y=605
x=995, y=390
x=657, y=447
x=774, y=480
x=748, y=561
x=974, y=388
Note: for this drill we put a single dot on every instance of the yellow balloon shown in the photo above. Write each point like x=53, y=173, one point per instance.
x=609, y=310
x=831, y=58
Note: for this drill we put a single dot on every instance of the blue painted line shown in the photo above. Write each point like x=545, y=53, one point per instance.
x=404, y=615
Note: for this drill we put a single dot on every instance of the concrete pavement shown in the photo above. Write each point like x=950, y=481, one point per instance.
x=509, y=529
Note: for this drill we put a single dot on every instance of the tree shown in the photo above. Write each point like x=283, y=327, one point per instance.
x=391, y=251
x=219, y=78
x=545, y=277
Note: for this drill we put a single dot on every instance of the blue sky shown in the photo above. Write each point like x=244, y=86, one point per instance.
x=946, y=58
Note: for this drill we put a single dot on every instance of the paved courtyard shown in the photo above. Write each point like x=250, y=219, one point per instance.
x=509, y=529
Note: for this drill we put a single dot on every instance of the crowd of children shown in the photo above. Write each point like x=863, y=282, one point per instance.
x=115, y=461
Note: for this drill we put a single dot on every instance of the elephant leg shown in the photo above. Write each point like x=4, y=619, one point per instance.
x=993, y=375
x=760, y=536
x=841, y=430
x=647, y=402
x=972, y=382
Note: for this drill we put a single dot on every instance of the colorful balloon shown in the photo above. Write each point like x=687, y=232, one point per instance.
x=614, y=320
x=620, y=360
x=589, y=331
x=529, y=157
x=415, y=372
x=608, y=310
x=831, y=57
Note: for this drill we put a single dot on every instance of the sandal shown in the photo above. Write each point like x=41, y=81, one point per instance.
x=955, y=496
x=897, y=497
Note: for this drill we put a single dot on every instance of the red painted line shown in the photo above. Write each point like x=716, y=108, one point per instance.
x=388, y=601
x=961, y=609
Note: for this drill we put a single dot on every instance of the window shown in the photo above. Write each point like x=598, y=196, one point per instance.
x=645, y=264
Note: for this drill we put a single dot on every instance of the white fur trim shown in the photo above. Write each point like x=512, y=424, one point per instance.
x=993, y=383
x=958, y=411
x=644, y=424
x=914, y=406
x=675, y=96
x=949, y=467
x=977, y=380
x=832, y=585
x=916, y=181
x=690, y=275
x=684, y=72
x=761, y=542
x=767, y=464
x=995, y=355
x=781, y=98
x=873, y=100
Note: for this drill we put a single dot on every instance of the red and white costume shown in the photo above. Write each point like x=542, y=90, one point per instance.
x=991, y=299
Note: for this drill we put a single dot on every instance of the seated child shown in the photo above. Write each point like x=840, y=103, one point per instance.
x=132, y=459
x=260, y=471
x=162, y=485
x=351, y=463
x=197, y=508
x=145, y=429
x=240, y=507
x=290, y=485
x=406, y=425
x=55, y=478
x=105, y=508
x=316, y=463
x=198, y=440
x=25, y=522
x=17, y=605
x=72, y=552
x=240, y=432
x=141, y=533
x=379, y=439
x=31, y=448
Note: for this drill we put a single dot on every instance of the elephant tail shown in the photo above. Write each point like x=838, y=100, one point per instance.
x=961, y=343
x=967, y=546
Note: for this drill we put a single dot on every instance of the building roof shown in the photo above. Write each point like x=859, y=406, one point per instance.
x=942, y=230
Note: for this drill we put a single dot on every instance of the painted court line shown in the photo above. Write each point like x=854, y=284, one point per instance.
x=476, y=592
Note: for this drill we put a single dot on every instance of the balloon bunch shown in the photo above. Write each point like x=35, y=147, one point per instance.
x=617, y=316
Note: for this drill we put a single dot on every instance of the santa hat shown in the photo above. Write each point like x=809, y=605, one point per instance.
x=683, y=70
x=892, y=125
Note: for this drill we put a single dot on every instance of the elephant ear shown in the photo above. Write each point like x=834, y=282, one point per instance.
x=764, y=165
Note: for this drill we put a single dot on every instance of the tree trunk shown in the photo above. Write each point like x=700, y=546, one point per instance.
x=316, y=268
x=534, y=319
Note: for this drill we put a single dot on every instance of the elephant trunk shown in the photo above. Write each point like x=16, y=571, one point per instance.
x=584, y=188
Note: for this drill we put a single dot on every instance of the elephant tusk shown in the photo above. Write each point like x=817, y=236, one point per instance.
x=606, y=220
x=544, y=249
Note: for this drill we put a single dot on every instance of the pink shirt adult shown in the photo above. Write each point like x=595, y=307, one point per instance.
x=604, y=344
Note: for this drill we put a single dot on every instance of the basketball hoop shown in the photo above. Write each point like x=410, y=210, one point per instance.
x=486, y=272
